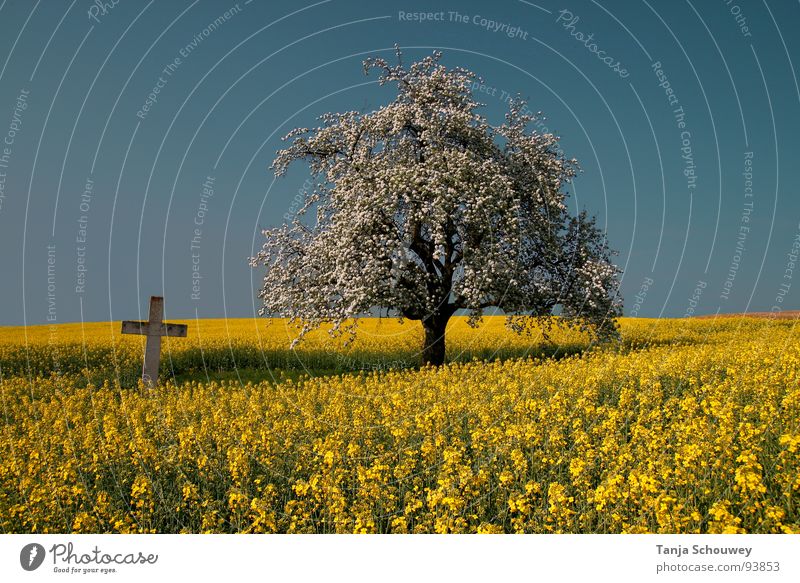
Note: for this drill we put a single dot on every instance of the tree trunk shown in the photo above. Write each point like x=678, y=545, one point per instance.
x=433, y=351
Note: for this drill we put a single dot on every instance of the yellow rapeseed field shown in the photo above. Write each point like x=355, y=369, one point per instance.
x=683, y=426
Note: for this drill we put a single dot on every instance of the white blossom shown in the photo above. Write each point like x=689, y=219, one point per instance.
x=423, y=208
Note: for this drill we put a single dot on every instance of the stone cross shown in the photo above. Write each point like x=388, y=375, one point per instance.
x=154, y=329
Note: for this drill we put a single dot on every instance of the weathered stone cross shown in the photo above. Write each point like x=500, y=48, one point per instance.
x=154, y=329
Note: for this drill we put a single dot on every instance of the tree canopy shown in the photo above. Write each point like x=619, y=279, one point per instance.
x=423, y=208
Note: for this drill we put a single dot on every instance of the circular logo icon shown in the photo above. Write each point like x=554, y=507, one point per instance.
x=31, y=556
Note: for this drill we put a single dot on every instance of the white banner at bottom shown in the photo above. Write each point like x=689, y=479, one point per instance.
x=387, y=558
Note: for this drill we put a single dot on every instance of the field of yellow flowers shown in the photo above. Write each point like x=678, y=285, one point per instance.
x=683, y=426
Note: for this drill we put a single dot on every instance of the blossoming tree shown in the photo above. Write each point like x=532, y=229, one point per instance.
x=423, y=208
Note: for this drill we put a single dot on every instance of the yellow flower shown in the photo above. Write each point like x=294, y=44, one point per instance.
x=670, y=431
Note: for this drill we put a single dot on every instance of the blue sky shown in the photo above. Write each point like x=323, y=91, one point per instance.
x=142, y=134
